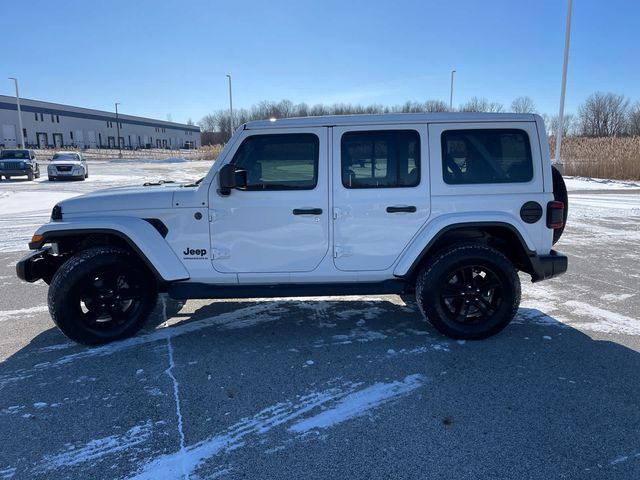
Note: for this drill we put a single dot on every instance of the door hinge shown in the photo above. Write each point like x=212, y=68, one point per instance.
x=218, y=214
x=220, y=253
x=340, y=212
x=341, y=251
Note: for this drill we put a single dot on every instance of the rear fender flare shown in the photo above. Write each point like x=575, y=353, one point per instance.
x=420, y=245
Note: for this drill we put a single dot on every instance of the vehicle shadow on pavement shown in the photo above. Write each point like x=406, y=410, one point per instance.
x=539, y=400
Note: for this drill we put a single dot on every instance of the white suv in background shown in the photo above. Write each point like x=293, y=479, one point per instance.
x=70, y=165
x=446, y=206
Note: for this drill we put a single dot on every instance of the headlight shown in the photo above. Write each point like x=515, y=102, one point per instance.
x=77, y=170
x=51, y=168
x=2, y=165
x=23, y=165
x=56, y=213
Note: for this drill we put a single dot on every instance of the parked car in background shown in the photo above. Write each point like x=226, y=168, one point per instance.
x=18, y=163
x=68, y=165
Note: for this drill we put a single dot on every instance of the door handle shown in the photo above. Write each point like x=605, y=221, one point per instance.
x=409, y=209
x=307, y=211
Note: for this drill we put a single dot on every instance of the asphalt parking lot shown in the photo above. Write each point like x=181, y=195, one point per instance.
x=346, y=387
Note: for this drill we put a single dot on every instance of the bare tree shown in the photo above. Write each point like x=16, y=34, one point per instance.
x=604, y=115
x=476, y=104
x=523, y=105
x=633, y=122
x=190, y=121
x=551, y=124
x=435, y=106
x=208, y=123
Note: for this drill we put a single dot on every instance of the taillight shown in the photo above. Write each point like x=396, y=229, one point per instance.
x=555, y=214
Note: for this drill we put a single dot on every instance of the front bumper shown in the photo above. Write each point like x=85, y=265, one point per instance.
x=16, y=173
x=548, y=266
x=35, y=265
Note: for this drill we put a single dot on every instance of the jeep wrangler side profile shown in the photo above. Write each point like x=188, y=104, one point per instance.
x=449, y=206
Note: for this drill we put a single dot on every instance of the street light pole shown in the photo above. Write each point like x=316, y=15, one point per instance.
x=451, y=92
x=15, y=81
x=118, y=130
x=230, y=107
x=567, y=38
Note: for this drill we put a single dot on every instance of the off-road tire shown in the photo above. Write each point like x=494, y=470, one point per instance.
x=559, y=194
x=439, y=300
x=82, y=282
x=30, y=176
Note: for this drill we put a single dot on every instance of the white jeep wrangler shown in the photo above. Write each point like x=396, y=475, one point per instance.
x=448, y=205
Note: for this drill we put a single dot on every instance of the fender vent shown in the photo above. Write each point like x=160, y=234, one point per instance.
x=158, y=225
x=531, y=212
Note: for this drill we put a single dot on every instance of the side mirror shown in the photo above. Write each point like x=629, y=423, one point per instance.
x=229, y=177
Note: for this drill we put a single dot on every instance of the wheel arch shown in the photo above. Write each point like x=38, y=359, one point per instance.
x=145, y=240
x=502, y=236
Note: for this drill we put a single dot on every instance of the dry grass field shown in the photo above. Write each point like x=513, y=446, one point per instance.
x=608, y=157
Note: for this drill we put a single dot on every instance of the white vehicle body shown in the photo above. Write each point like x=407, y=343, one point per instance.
x=203, y=240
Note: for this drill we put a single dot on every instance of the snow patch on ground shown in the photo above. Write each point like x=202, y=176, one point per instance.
x=96, y=449
x=359, y=403
x=588, y=183
x=605, y=321
x=13, y=202
x=7, y=473
x=22, y=313
x=340, y=404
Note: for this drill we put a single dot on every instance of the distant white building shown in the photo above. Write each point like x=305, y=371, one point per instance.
x=52, y=125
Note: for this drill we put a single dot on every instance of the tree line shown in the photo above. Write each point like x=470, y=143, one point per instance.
x=600, y=115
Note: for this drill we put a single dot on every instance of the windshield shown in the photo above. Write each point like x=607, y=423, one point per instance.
x=66, y=156
x=14, y=154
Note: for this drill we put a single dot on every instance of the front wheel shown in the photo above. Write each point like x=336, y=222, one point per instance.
x=469, y=291
x=100, y=295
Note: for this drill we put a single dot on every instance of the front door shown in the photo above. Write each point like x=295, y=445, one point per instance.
x=278, y=223
x=380, y=192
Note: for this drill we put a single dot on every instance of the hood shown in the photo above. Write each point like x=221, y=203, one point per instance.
x=122, y=198
x=65, y=162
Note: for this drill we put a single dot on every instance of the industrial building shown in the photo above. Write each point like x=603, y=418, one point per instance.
x=52, y=125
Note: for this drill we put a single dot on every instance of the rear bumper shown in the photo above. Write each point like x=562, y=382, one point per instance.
x=34, y=266
x=548, y=266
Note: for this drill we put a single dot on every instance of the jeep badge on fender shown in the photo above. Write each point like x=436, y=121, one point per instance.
x=447, y=206
x=198, y=252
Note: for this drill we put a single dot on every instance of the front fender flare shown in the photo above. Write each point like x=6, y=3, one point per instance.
x=139, y=234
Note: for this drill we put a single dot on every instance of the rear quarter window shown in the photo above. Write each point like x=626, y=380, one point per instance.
x=479, y=156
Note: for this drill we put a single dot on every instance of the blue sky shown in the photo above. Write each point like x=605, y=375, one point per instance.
x=171, y=57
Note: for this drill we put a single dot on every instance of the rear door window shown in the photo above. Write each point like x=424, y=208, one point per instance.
x=380, y=158
x=486, y=156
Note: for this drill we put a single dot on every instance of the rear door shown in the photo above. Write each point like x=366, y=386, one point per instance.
x=279, y=222
x=380, y=193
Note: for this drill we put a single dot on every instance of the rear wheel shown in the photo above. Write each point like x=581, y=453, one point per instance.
x=560, y=195
x=469, y=291
x=101, y=295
